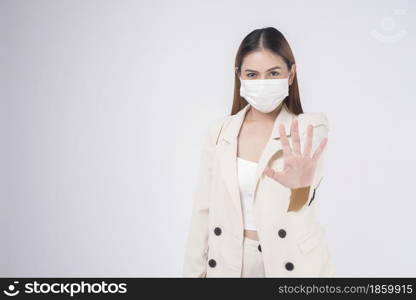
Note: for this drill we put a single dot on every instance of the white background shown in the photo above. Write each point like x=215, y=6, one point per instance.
x=103, y=104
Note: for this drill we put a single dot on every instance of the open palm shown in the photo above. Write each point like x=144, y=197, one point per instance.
x=299, y=168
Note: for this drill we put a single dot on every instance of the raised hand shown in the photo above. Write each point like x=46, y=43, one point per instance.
x=299, y=168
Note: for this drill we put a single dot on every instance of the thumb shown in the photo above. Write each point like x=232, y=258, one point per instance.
x=273, y=174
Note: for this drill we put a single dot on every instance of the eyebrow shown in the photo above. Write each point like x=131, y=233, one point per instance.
x=249, y=70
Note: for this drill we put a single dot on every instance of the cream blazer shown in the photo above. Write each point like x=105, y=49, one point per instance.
x=293, y=243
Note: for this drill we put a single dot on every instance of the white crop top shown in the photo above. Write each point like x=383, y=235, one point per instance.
x=246, y=170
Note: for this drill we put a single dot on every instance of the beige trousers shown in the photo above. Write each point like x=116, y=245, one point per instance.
x=252, y=259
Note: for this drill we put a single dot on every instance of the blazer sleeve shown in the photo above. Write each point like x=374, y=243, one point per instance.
x=321, y=128
x=196, y=250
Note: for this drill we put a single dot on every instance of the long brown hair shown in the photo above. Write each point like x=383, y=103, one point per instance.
x=272, y=39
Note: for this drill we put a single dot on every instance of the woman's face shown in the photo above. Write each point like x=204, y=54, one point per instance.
x=264, y=64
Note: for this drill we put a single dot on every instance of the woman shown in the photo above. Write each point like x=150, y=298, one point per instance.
x=253, y=211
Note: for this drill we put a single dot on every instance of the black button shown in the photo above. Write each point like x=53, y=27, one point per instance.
x=212, y=263
x=282, y=233
x=259, y=247
x=289, y=266
x=217, y=230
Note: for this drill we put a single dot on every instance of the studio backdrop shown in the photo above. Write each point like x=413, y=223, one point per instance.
x=103, y=105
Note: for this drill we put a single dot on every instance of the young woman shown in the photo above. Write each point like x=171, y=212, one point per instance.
x=253, y=211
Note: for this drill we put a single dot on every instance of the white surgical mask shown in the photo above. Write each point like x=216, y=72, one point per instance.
x=264, y=94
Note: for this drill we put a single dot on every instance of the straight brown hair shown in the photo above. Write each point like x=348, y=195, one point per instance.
x=271, y=39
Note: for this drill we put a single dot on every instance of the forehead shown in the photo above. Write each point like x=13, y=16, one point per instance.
x=262, y=60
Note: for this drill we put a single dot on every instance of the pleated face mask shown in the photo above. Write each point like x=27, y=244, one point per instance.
x=264, y=94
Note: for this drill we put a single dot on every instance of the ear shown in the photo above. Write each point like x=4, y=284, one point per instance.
x=237, y=71
x=292, y=74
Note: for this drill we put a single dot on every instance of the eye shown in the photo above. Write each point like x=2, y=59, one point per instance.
x=249, y=74
x=274, y=73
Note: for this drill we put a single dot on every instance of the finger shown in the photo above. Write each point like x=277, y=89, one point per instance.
x=273, y=174
x=320, y=149
x=284, y=140
x=295, y=136
x=308, y=142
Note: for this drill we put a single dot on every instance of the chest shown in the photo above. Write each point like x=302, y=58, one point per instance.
x=252, y=139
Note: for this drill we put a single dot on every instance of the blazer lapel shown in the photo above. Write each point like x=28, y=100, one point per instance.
x=228, y=151
x=274, y=144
